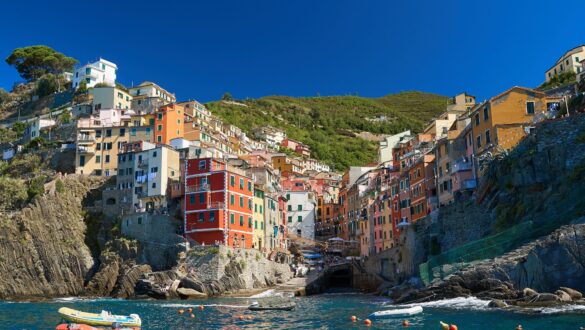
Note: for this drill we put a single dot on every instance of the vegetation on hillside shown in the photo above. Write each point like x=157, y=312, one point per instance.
x=328, y=125
x=560, y=80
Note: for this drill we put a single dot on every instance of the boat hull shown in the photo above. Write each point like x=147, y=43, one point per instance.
x=75, y=316
x=397, y=312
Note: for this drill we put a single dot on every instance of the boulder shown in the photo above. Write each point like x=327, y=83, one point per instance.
x=565, y=297
x=191, y=283
x=575, y=295
x=546, y=297
x=190, y=293
x=496, y=303
x=528, y=292
x=172, y=293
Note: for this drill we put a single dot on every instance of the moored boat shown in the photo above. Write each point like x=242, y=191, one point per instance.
x=397, y=312
x=255, y=306
x=102, y=319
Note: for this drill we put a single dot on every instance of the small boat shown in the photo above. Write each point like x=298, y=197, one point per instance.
x=102, y=319
x=255, y=306
x=397, y=312
x=74, y=326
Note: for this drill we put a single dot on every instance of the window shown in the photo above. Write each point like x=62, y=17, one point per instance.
x=192, y=199
x=250, y=222
x=154, y=169
x=250, y=204
x=201, y=164
x=98, y=158
x=108, y=132
x=232, y=181
x=289, y=219
x=154, y=154
x=256, y=208
x=241, y=201
x=479, y=141
x=256, y=224
x=530, y=108
x=133, y=132
x=232, y=219
x=98, y=133
x=159, y=128
x=232, y=199
x=300, y=218
x=122, y=131
x=486, y=113
x=211, y=216
x=87, y=70
x=201, y=216
x=250, y=185
x=477, y=119
x=299, y=207
x=154, y=185
x=98, y=146
x=488, y=138
x=261, y=209
x=241, y=183
x=201, y=198
x=107, y=158
x=159, y=138
x=160, y=116
x=289, y=207
x=241, y=220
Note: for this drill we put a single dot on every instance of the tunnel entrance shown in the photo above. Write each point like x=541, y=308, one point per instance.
x=340, y=278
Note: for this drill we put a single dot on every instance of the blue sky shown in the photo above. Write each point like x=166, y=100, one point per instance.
x=202, y=49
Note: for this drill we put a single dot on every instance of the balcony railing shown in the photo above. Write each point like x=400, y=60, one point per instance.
x=461, y=166
x=216, y=205
x=83, y=138
x=85, y=150
x=197, y=188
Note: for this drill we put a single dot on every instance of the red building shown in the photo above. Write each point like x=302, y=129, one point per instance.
x=218, y=204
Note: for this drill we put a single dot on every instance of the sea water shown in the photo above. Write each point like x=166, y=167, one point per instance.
x=325, y=311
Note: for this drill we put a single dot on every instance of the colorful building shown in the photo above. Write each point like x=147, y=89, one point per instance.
x=168, y=123
x=218, y=203
x=259, y=240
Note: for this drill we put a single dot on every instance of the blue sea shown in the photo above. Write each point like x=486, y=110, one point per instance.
x=326, y=311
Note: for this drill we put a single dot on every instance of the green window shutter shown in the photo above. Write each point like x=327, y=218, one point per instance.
x=232, y=219
x=289, y=219
x=300, y=218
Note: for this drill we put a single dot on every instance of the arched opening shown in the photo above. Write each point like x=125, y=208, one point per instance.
x=111, y=201
x=340, y=278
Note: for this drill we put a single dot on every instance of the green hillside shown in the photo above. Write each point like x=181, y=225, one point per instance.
x=329, y=124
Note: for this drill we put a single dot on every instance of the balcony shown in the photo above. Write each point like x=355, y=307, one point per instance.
x=143, y=163
x=85, y=150
x=197, y=188
x=85, y=139
x=403, y=224
x=461, y=166
x=470, y=184
x=215, y=205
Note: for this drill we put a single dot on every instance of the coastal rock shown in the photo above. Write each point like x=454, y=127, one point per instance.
x=574, y=294
x=528, y=292
x=126, y=284
x=496, y=303
x=190, y=293
x=565, y=297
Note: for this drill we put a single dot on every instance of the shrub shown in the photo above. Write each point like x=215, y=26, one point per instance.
x=47, y=85
x=213, y=250
x=59, y=186
x=12, y=193
x=36, y=186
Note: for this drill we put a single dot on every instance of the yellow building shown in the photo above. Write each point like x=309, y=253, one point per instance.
x=258, y=241
x=286, y=165
x=502, y=121
x=570, y=61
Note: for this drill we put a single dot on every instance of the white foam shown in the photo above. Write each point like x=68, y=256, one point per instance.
x=267, y=293
x=472, y=303
x=561, y=309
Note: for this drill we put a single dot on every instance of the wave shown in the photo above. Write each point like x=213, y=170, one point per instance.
x=271, y=293
x=561, y=309
x=82, y=299
x=471, y=303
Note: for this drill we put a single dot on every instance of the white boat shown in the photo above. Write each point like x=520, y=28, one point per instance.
x=397, y=312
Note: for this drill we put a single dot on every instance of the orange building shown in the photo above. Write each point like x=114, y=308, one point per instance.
x=168, y=123
x=504, y=120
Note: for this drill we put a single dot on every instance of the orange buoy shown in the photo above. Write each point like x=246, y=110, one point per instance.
x=452, y=327
x=353, y=318
x=240, y=317
x=249, y=317
x=405, y=323
x=181, y=311
x=201, y=307
x=190, y=310
x=367, y=322
x=192, y=316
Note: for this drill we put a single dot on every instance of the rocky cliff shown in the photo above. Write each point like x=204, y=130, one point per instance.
x=545, y=265
x=211, y=271
x=42, y=249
